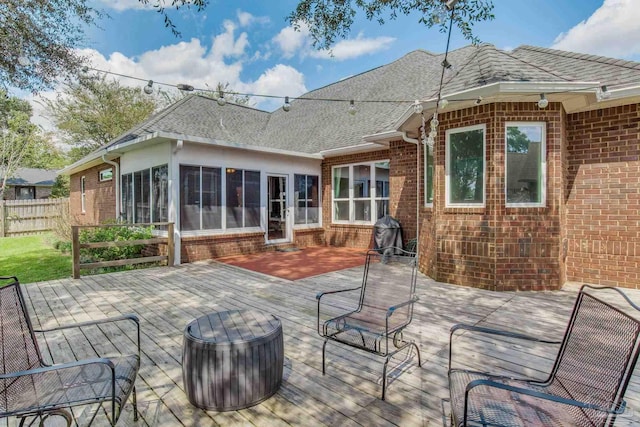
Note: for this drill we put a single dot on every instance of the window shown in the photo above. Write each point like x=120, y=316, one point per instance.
x=465, y=162
x=428, y=176
x=525, y=164
x=106, y=175
x=200, y=198
x=83, y=195
x=361, y=192
x=243, y=198
x=306, y=199
x=145, y=195
x=26, y=193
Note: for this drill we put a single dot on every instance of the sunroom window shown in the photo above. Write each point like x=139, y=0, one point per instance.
x=525, y=164
x=145, y=195
x=360, y=192
x=243, y=198
x=465, y=167
x=200, y=198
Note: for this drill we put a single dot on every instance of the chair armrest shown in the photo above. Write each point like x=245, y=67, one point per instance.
x=59, y=366
x=321, y=294
x=490, y=331
x=126, y=317
x=393, y=308
x=536, y=394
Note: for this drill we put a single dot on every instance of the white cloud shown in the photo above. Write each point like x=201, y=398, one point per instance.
x=612, y=30
x=280, y=80
x=121, y=5
x=226, y=45
x=245, y=19
x=291, y=41
x=353, y=48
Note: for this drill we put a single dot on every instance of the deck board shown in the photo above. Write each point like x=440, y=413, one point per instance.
x=166, y=299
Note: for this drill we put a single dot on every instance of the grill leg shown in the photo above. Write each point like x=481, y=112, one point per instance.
x=135, y=402
x=324, y=347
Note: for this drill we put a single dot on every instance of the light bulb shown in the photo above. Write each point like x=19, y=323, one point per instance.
x=417, y=107
x=434, y=124
x=221, y=101
x=478, y=101
x=352, y=107
x=287, y=105
x=602, y=93
x=543, y=102
x=148, y=89
x=24, y=61
x=443, y=103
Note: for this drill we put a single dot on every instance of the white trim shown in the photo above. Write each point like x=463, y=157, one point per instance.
x=295, y=206
x=424, y=165
x=383, y=137
x=447, y=168
x=543, y=165
x=287, y=208
x=352, y=149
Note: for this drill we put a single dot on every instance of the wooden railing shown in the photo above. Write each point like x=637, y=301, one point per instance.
x=76, y=246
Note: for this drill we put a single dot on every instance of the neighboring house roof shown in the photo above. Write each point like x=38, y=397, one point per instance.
x=32, y=176
x=318, y=122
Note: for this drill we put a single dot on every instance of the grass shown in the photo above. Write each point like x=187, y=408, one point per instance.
x=33, y=259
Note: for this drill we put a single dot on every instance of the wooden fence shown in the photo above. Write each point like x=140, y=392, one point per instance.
x=25, y=217
x=76, y=246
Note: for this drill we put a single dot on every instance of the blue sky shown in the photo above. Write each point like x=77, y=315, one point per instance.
x=249, y=44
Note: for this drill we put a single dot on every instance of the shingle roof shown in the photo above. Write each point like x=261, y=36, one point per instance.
x=313, y=125
x=32, y=176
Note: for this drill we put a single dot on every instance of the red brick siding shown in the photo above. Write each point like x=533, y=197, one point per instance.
x=309, y=237
x=495, y=247
x=100, y=202
x=207, y=247
x=603, y=197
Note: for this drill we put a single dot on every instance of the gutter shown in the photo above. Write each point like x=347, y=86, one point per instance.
x=405, y=138
x=116, y=175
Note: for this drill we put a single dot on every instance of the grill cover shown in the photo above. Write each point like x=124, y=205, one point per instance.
x=387, y=232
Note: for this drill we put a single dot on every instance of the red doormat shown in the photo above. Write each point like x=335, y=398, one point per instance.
x=306, y=262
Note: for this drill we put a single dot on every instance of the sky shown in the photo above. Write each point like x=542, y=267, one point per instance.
x=250, y=45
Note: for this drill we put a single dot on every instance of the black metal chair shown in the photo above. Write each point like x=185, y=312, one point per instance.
x=376, y=319
x=586, y=385
x=33, y=388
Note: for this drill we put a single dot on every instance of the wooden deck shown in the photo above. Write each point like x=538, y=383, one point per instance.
x=166, y=299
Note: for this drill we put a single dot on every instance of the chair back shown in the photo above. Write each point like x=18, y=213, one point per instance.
x=598, y=353
x=389, y=279
x=19, y=346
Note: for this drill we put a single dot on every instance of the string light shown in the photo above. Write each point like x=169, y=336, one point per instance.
x=352, y=107
x=286, y=106
x=221, y=101
x=443, y=104
x=185, y=87
x=148, y=89
x=602, y=93
x=417, y=107
x=478, y=100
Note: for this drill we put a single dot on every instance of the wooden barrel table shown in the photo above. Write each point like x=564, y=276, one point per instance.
x=232, y=359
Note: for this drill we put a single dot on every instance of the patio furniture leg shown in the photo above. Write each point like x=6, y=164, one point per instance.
x=324, y=346
x=135, y=403
x=384, y=376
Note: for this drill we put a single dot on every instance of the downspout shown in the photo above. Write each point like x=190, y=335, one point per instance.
x=116, y=175
x=405, y=138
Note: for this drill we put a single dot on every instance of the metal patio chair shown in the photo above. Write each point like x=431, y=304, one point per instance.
x=33, y=388
x=586, y=385
x=375, y=320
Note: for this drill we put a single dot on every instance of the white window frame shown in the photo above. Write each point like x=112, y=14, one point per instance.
x=102, y=173
x=450, y=132
x=307, y=223
x=543, y=166
x=373, y=197
x=83, y=194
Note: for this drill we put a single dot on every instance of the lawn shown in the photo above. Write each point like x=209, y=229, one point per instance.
x=33, y=259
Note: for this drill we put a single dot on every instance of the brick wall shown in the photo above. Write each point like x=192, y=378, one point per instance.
x=495, y=247
x=100, y=200
x=309, y=237
x=603, y=197
x=207, y=247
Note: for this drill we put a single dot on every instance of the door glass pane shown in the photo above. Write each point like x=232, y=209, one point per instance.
x=211, y=198
x=234, y=198
x=189, y=198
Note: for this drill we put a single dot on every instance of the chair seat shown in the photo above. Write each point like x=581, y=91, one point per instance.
x=71, y=386
x=490, y=406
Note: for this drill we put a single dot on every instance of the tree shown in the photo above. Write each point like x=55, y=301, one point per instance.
x=93, y=111
x=327, y=19
x=38, y=38
x=17, y=136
